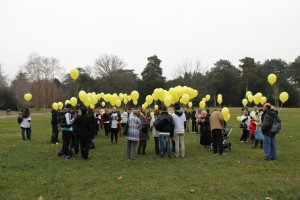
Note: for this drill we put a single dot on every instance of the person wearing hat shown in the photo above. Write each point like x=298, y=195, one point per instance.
x=84, y=126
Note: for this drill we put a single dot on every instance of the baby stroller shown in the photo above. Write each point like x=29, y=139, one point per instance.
x=226, y=133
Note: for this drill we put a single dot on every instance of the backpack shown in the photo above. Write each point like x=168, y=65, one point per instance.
x=64, y=121
x=20, y=119
x=275, y=125
x=243, y=124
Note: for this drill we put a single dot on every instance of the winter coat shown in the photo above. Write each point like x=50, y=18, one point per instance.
x=216, y=120
x=267, y=122
x=252, y=127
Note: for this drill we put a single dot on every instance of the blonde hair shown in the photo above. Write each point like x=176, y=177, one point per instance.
x=204, y=113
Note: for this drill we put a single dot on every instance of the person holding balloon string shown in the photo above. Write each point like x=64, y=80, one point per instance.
x=115, y=118
x=245, y=119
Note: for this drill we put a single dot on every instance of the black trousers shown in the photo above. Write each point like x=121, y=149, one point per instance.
x=114, y=134
x=156, y=141
x=54, y=136
x=217, y=139
x=85, y=146
x=28, y=133
x=106, y=128
x=245, y=135
x=77, y=141
x=142, y=146
x=66, y=136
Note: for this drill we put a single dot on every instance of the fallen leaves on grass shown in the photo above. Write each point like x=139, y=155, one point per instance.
x=41, y=198
x=120, y=178
x=269, y=198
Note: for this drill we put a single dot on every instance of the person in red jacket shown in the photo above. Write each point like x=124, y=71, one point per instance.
x=252, y=128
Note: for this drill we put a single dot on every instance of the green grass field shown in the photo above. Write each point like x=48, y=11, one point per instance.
x=32, y=169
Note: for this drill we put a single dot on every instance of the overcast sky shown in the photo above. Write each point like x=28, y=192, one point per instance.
x=78, y=31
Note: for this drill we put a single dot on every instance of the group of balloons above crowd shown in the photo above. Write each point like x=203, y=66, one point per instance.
x=184, y=95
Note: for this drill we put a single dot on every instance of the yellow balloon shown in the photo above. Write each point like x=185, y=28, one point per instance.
x=207, y=97
x=60, y=105
x=82, y=96
x=167, y=101
x=238, y=118
x=225, y=111
x=272, y=78
x=55, y=106
x=88, y=102
x=156, y=107
x=92, y=106
x=185, y=98
x=248, y=94
x=204, y=99
x=244, y=102
x=202, y=104
x=118, y=102
x=125, y=101
x=135, y=102
x=250, y=98
x=151, y=114
x=144, y=106
x=263, y=100
x=73, y=101
x=190, y=104
x=220, y=96
x=227, y=117
x=219, y=100
x=67, y=102
x=257, y=98
x=284, y=96
x=103, y=104
x=149, y=99
x=129, y=98
x=134, y=95
x=27, y=97
x=74, y=73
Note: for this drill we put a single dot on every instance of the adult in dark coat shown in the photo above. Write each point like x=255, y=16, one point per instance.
x=205, y=132
x=54, y=124
x=85, y=128
x=144, y=136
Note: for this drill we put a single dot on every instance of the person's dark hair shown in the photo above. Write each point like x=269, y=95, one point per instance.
x=268, y=107
x=26, y=112
x=90, y=111
x=207, y=110
x=83, y=110
x=177, y=106
x=77, y=107
x=68, y=105
x=164, y=108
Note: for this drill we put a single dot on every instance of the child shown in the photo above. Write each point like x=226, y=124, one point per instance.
x=252, y=128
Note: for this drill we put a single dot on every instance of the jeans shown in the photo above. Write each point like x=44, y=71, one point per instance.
x=194, y=126
x=156, y=140
x=114, y=133
x=162, y=139
x=28, y=133
x=217, y=139
x=179, y=145
x=270, y=147
x=131, y=149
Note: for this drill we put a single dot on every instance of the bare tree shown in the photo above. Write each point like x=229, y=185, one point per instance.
x=3, y=78
x=106, y=64
x=189, y=66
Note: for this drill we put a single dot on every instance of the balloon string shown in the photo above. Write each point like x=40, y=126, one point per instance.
x=280, y=108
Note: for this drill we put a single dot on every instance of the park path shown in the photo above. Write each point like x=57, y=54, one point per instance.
x=3, y=116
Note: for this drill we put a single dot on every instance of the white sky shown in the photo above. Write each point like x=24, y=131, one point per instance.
x=78, y=31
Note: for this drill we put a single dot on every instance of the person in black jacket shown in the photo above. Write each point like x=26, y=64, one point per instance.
x=194, y=121
x=205, y=132
x=84, y=126
x=165, y=126
x=54, y=124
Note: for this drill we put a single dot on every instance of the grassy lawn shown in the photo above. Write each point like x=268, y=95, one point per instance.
x=32, y=169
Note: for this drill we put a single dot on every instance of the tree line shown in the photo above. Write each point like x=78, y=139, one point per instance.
x=46, y=80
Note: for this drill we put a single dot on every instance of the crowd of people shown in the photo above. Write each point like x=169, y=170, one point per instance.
x=80, y=125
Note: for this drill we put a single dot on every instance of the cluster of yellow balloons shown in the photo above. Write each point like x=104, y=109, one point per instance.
x=27, y=96
x=174, y=94
x=225, y=114
x=57, y=106
x=220, y=99
x=202, y=103
x=258, y=98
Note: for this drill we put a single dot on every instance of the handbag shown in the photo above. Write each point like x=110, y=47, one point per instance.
x=259, y=135
x=243, y=125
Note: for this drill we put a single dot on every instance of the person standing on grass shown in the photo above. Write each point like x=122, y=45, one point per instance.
x=98, y=118
x=67, y=131
x=134, y=127
x=205, y=132
x=258, y=128
x=106, y=121
x=54, y=124
x=115, y=118
x=179, y=119
x=84, y=125
x=24, y=120
x=94, y=125
x=216, y=123
x=246, y=119
x=144, y=136
x=269, y=138
x=165, y=126
x=155, y=133
x=194, y=120
x=124, y=119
